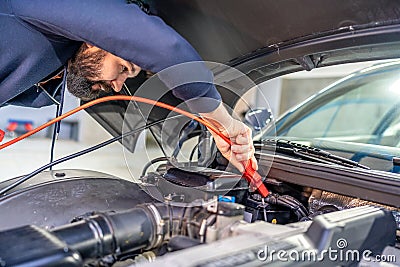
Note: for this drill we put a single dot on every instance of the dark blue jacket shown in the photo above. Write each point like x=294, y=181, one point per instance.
x=38, y=37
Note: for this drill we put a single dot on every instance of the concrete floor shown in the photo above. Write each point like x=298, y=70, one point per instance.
x=32, y=153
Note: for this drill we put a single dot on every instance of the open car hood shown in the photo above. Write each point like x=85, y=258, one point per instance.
x=265, y=39
x=235, y=31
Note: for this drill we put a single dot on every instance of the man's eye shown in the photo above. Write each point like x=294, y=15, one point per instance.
x=123, y=69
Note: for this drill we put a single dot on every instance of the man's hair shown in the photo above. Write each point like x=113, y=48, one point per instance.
x=82, y=67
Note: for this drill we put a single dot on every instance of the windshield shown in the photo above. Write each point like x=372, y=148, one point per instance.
x=357, y=117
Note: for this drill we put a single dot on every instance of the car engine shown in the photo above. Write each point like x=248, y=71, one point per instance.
x=220, y=223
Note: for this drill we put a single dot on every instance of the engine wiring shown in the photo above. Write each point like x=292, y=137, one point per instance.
x=128, y=92
x=249, y=173
x=59, y=111
x=77, y=154
x=153, y=161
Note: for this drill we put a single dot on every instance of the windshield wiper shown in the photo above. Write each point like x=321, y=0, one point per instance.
x=307, y=152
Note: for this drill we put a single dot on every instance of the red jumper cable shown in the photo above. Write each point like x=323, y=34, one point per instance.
x=249, y=174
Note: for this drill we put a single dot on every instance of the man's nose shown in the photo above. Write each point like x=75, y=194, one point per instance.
x=119, y=82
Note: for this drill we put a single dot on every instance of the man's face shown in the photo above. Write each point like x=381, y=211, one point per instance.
x=114, y=71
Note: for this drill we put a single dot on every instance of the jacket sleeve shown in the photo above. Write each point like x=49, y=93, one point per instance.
x=124, y=30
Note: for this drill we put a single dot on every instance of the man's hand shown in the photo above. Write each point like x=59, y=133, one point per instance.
x=242, y=149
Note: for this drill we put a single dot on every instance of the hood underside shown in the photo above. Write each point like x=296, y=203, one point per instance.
x=230, y=30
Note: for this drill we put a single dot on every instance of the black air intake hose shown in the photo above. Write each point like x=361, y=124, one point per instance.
x=110, y=233
x=92, y=236
x=101, y=234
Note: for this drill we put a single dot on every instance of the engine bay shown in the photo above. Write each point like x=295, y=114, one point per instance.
x=220, y=221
